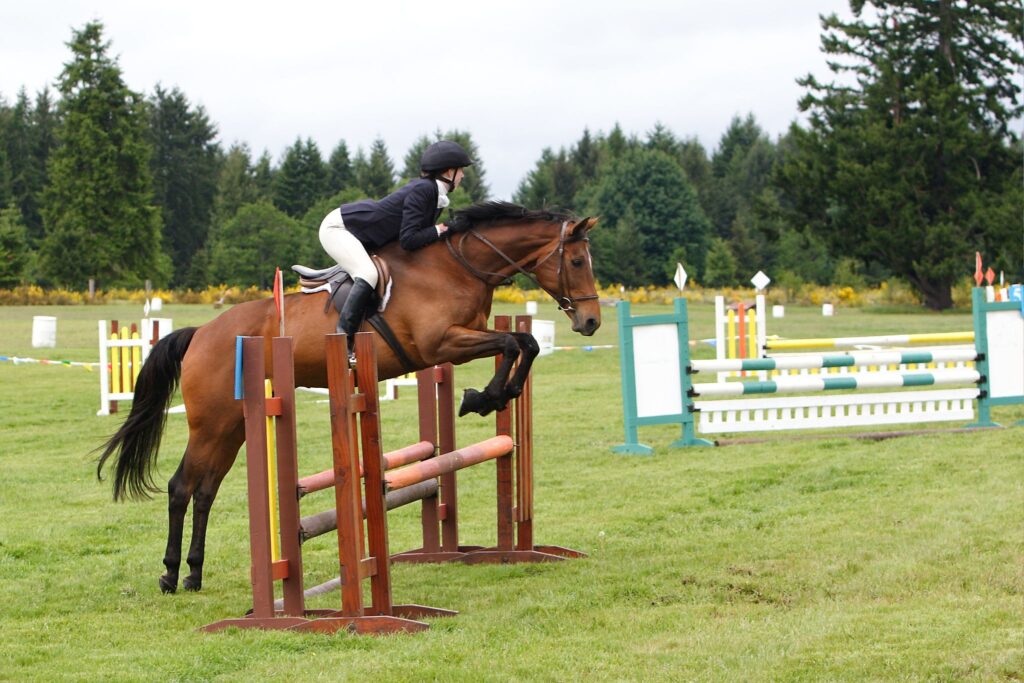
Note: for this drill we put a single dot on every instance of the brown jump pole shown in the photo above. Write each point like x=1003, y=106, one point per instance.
x=326, y=521
x=503, y=425
x=523, y=512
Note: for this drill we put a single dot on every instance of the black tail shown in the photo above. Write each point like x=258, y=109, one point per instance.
x=138, y=439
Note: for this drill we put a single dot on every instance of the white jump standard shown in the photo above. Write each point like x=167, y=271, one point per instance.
x=658, y=387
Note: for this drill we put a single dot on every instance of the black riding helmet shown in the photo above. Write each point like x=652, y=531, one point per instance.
x=443, y=155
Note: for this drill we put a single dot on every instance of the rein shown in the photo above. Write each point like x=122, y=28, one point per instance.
x=564, y=301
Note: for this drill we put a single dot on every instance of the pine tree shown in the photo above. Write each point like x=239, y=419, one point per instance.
x=915, y=164
x=375, y=176
x=301, y=180
x=649, y=186
x=185, y=166
x=98, y=215
x=339, y=169
x=720, y=269
x=586, y=157
x=43, y=141
x=6, y=194
x=236, y=184
x=14, y=247
x=741, y=168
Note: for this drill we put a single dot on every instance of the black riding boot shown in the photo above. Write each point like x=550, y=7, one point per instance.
x=360, y=299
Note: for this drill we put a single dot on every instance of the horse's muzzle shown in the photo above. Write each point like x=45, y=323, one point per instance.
x=586, y=326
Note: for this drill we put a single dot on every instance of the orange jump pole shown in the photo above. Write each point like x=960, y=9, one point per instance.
x=461, y=458
x=397, y=458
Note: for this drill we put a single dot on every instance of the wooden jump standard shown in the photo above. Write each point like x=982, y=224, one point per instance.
x=415, y=482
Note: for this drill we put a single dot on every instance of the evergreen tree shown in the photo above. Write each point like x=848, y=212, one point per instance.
x=6, y=195
x=411, y=161
x=185, y=168
x=301, y=180
x=619, y=251
x=340, y=175
x=236, y=184
x=375, y=176
x=649, y=186
x=903, y=166
x=720, y=269
x=537, y=189
x=24, y=186
x=258, y=239
x=263, y=175
x=43, y=141
x=694, y=159
x=98, y=215
x=14, y=248
x=586, y=157
x=741, y=168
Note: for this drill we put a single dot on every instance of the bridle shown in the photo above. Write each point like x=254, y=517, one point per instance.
x=563, y=298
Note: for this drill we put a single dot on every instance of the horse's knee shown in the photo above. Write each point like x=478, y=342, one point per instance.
x=528, y=344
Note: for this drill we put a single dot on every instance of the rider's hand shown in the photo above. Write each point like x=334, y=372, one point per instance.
x=441, y=229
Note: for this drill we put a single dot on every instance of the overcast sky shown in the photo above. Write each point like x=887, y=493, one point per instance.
x=518, y=76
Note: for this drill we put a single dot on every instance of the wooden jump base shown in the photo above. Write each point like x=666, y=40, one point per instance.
x=392, y=479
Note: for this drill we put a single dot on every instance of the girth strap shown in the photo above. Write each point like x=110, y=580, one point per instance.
x=384, y=330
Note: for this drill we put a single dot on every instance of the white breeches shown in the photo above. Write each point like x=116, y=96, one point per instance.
x=346, y=249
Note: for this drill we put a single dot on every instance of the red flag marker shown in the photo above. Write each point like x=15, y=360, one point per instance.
x=977, y=268
x=279, y=298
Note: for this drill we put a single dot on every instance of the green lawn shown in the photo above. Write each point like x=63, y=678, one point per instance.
x=826, y=559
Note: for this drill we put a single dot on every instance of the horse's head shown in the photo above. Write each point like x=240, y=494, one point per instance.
x=567, y=274
x=548, y=247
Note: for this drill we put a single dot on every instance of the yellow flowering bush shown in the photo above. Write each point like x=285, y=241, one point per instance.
x=889, y=293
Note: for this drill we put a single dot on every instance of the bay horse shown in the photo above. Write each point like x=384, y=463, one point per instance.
x=441, y=300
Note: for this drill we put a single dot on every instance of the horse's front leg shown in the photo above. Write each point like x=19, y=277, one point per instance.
x=529, y=348
x=463, y=344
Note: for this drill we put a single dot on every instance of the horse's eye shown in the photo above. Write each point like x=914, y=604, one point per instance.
x=577, y=262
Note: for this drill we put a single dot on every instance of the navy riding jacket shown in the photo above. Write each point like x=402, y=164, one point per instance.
x=408, y=215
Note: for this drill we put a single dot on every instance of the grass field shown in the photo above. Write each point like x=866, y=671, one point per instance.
x=826, y=559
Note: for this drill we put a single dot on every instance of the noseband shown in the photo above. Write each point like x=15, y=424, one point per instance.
x=565, y=302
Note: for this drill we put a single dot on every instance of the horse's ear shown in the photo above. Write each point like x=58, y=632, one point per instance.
x=581, y=228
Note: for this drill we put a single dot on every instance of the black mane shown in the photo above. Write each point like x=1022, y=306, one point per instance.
x=498, y=211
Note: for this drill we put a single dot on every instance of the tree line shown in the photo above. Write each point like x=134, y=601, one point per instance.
x=908, y=163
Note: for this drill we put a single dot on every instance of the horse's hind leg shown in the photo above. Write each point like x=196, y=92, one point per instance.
x=221, y=457
x=178, y=495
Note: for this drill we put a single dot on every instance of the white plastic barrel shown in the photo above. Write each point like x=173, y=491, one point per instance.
x=544, y=333
x=827, y=310
x=778, y=311
x=44, y=332
x=531, y=308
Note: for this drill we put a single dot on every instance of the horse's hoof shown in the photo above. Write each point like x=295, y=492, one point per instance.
x=168, y=584
x=192, y=584
x=474, y=401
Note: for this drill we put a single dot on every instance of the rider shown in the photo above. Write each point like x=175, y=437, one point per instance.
x=409, y=215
